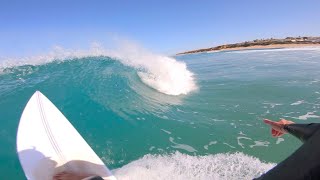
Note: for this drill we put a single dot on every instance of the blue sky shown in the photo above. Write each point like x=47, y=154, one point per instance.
x=163, y=26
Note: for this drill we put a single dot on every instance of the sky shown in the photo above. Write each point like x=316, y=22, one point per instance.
x=163, y=26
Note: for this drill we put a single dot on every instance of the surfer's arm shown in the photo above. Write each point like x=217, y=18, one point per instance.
x=304, y=163
x=302, y=131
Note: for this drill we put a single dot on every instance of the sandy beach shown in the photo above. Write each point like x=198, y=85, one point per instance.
x=273, y=46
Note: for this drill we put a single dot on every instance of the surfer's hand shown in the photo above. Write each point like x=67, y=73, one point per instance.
x=69, y=176
x=277, y=128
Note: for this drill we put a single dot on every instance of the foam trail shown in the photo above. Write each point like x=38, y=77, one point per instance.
x=165, y=74
x=180, y=166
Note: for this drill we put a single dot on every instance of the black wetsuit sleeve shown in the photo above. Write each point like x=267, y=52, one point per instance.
x=93, y=178
x=302, y=131
x=97, y=178
x=304, y=163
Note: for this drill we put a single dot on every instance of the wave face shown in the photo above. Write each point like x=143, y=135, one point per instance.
x=105, y=80
x=179, y=166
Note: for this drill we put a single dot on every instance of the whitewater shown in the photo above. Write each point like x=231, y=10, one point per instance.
x=150, y=116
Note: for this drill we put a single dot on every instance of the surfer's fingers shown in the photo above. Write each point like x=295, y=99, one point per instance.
x=284, y=121
x=59, y=176
x=279, y=134
x=272, y=123
x=274, y=132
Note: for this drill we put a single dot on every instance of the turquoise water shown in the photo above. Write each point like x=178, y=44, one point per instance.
x=153, y=117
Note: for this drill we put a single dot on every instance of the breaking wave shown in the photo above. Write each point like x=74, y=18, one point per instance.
x=180, y=166
x=164, y=74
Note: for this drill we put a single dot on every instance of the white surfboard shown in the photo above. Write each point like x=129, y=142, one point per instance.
x=47, y=144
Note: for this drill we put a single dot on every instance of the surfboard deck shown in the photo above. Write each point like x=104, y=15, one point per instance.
x=47, y=144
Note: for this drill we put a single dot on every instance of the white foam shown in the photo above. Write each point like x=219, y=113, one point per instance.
x=210, y=143
x=217, y=120
x=260, y=143
x=234, y=125
x=166, y=131
x=279, y=140
x=179, y=110
x=180, y=166
x=297, y=103
x=242, y=137
x=272, y=105
x=229, y=145
x=314, y=81
x=308, y=115
x=181, y=146
x=165, y=74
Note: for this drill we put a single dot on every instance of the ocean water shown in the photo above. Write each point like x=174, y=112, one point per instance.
x=148, y=116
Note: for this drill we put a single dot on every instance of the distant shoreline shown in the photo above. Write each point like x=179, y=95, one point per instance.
x=289, y=42
x=273, y=46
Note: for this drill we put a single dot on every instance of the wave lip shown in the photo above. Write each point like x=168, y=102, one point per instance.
x=180, y=166
x=169, y=76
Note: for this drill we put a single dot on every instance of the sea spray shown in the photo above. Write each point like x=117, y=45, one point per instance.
x=163, y=73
